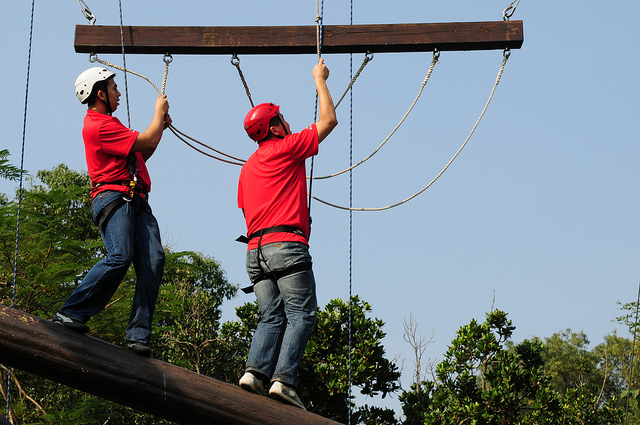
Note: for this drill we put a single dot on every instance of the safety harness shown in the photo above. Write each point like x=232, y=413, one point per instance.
x=135, y=188
x=270, y=274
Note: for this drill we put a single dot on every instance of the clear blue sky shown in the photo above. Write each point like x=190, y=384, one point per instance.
x=540, y=209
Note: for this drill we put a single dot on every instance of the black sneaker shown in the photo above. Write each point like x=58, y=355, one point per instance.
x=139, y=348
x=69, y=323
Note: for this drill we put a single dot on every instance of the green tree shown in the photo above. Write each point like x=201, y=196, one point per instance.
x=486, y=379
x=569, y=363
x=324, y=370
x=58, y=244
x=8, y=171
x=480, y=381
x=587, y=381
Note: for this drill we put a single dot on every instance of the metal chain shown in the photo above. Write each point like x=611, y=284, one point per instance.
x=509, y=11
x=434, y=61
x=505, y=55
x=236, y=62
x=87, y=12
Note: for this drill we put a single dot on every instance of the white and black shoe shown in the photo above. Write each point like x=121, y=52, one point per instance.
x=280, y=391
x=250, y=382
x=69, y=323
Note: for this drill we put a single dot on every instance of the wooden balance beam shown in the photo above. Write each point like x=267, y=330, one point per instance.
x=89, y=364
x=300, y=39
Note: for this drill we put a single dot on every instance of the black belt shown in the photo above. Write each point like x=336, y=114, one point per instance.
x=134, y=186
x=274, y=229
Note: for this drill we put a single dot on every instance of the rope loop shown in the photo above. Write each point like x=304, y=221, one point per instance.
x=509, y=11
x=180, y=135
x=87, y=12
x=434, y=61
x=167, y=58
x=506, y=54
x=94, y=58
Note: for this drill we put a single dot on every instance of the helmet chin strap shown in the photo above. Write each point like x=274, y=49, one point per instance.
x=286, y=133
x=107, y=103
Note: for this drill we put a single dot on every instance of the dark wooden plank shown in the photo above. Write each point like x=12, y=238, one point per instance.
x=300, y=39
x=115, y=373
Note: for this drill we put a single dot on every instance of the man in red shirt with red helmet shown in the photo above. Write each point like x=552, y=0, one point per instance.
x=116, y=157
x=272, y=193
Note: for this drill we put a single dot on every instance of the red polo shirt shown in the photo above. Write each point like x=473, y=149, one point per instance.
x=107, y=143
x=272, y=188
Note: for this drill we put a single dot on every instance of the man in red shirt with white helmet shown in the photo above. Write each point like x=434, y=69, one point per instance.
x=272, y=193
x=116, y=157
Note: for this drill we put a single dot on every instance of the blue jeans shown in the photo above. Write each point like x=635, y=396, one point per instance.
x=130, y=235
x=288, y=306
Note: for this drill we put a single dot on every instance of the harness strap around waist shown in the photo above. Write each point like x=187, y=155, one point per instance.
x=133, y=186
x=274, y=229
x=299, y=267
x=113, y=205
x=108, y=209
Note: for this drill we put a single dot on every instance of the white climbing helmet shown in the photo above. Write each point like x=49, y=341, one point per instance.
x=86, y=80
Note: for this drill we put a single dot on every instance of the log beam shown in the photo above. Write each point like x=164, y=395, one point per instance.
x=49, y=350
x=300, y=39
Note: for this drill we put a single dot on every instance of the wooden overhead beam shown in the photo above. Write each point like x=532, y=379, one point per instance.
x=49, y=350
x=300, y=39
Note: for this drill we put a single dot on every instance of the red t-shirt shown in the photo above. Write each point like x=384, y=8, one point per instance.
x=272, y=189
x=107, y=143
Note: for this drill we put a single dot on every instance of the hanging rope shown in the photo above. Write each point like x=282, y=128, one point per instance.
x=368, y=57
x=319, y=12
x=434, y=61
x=24, y=137
x=180, y=135
x=505, y=55
x=124, y=66
x=236, y=62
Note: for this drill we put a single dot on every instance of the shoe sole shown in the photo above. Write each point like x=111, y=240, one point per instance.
x=251, y=388
x=285, y=399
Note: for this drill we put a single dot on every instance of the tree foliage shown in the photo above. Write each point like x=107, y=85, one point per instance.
x=8, y=171
x=58, y=244
x=324, y=371
x=485, y=379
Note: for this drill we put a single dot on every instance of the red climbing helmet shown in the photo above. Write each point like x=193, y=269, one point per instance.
x=256, y=123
